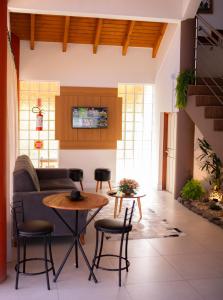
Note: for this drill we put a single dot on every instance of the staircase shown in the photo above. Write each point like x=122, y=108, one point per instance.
x=205, y=99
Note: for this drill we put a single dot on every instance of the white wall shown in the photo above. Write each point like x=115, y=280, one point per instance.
x=79, y=67
x=168, y=69
x=197, y=173
x=89, y=160
x=170, y=10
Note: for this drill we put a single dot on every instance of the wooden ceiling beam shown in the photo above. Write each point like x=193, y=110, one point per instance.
x=97, y=35
x=159, y=40
x=32, y=31
x=128, y=37
x=66, y=33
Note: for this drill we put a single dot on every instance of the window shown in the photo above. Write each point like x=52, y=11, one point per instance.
x=134, y=151
x=30, y=91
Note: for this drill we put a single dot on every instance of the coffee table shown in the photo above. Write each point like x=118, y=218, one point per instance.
x=120, y=196
x=62, y=202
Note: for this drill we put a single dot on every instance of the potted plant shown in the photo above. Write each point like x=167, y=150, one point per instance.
x=128, y=186
x=183, y=80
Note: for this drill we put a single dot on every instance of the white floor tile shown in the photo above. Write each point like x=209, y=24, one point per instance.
x=189, y=267
x=196, y=266
x=150, y=269
x=178, y=290
x=209, y=289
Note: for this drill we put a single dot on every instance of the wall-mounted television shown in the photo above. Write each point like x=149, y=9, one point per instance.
x=89, y=117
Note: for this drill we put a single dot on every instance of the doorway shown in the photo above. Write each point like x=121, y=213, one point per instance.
x=169, y=152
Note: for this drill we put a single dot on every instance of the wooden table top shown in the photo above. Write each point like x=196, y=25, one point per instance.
x=123, y=195
x=62, y=201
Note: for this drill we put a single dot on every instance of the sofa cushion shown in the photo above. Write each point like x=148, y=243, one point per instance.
x=56, y=184
x=25, y=177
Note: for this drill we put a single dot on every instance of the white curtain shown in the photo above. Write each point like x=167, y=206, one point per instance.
x=12, y=132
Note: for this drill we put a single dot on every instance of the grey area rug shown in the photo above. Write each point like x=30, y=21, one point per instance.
x=150, y=226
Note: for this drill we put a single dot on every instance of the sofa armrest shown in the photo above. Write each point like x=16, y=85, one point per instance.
x=52, y=173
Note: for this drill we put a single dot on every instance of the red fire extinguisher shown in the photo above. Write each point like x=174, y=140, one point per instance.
x=39, y=117
x=39, y=121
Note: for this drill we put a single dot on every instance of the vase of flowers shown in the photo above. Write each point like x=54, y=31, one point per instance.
x=128, y=186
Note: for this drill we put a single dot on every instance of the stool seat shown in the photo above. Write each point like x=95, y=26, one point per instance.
x=76, y=174
x=100, y=175
x=35, y=228
x=112, y=226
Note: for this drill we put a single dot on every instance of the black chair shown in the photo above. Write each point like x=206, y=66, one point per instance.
x=25, y=230
x=111, y=226
x=100, y=175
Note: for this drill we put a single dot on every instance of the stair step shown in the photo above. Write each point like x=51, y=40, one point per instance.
x=214, y=112
x=203, y=90
x=208, y=100
x=210, y=81
x=218, y=125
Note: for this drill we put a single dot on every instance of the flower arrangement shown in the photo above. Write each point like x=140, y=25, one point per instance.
x=128, y=186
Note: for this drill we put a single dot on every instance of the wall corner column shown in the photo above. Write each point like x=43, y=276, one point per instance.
x=185, y=126
x=3, y=109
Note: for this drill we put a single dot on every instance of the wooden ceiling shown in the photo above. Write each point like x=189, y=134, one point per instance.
x=81, y=30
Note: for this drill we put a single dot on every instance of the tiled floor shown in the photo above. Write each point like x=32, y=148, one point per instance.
x=188, y=267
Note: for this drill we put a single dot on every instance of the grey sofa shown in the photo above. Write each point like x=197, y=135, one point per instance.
x=31, y=185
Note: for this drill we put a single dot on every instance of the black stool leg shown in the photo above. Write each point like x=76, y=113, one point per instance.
x=97, y=186
x=17, y=265
x=24, y=255
x=95, y=254
x=120, y=261
x=46, y=264
x=109, y=185
x=81, y=185
x=100, y=251
x=51, y=256
x=126, y=251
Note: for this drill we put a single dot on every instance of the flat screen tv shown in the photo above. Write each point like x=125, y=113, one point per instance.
x=89, y=117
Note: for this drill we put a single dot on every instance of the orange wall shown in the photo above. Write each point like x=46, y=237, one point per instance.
x=3, y=96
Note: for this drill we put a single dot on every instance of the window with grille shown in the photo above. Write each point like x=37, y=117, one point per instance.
x=30, y=91
x=134, y=151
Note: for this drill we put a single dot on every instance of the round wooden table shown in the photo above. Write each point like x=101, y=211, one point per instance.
x=120, y=196
x=62, y=202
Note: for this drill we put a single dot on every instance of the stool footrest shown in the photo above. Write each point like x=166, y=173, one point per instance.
x=34, y=259
x=111, y=269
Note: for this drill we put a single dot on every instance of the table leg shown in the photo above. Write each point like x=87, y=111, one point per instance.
x=76, y=243
x=76, y=240
x=140, y=208
x=120, y=205
x=64, y=261
x=116, y=206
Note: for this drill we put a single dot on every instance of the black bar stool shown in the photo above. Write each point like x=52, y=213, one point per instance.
x=25, y=230
x=100, y=175
x=113, y=227
x=77, y=175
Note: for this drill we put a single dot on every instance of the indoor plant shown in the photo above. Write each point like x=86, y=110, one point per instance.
x=192, y=190
x=211, y=163
x=128, y=186
x=183, y=80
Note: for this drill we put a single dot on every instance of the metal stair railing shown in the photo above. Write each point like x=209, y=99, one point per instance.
x=209, y=57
